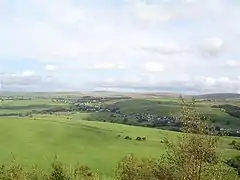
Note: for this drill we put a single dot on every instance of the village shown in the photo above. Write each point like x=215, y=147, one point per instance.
x=97, y=104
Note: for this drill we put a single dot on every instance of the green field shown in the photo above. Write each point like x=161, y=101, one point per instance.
x=168, y=106
x=70, y=136
x=93, y=143
x=23, y=106
x=87, y=142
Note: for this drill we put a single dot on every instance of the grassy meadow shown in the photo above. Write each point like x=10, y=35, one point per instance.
x=37, y=139
x=87, y=142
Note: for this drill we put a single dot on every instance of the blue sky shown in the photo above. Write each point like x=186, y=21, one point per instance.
x=189, y=46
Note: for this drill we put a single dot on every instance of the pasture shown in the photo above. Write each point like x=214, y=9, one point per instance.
x=36, y=141
x=75, y=139
x=93, y=143
x=24, y=106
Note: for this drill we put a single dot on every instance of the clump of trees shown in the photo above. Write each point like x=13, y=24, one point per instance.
x=138, y=138
x=193, y=157
x=230, y=109
x=128, y=138
x=235, y=145
x=235, y=163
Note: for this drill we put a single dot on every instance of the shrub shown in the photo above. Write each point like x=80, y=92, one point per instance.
x=193, y=157
x=237, y=146
x=234, y=163
x=133, y=168
x=144, y=138
x=82, y=172
x=138, y=138
x=16, y=172
x=58, y=172
x=234, y=142
x=165, y=141
x=127, y=137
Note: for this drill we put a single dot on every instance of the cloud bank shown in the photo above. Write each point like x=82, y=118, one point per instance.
x=177, y=46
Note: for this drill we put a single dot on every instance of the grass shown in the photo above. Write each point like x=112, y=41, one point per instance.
x=87, y=142
x=38, y=139
x=23, y=106
x=166, y=106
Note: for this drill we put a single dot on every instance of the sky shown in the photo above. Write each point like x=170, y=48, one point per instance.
x=182, y=46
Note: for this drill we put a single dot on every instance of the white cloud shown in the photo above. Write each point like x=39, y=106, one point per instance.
x=107, y=65
x=153, y=67
x=23, y=78
x=155, y=43
x=50, y=67
x=209, y=81
x=193, y=84
x=212, y=46
x=27, y=73
x=168, y=49
x=151, y=13
x=232, y=64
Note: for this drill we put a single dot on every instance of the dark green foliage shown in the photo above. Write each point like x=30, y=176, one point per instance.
x=165, y=141
x=230, y=109
x=82, y=172
x=235, y=163
x=125, y=120
x=58, y=172
x=237, y=146
x=127, y=137
x=233, y=142
x=138, y=138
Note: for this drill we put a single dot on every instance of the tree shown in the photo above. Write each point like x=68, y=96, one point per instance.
x=194, y=156
x=237, y=146
x=235, y=163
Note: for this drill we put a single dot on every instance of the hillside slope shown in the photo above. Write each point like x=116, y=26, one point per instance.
x=219, y=96
x=36, y=141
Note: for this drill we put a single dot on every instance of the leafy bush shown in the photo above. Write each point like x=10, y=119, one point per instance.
x=235, y=163
x=138, y=138
x=233, y=142
x=57, y=172
x=237, y=146
x=133, y=168
x=127, y=137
